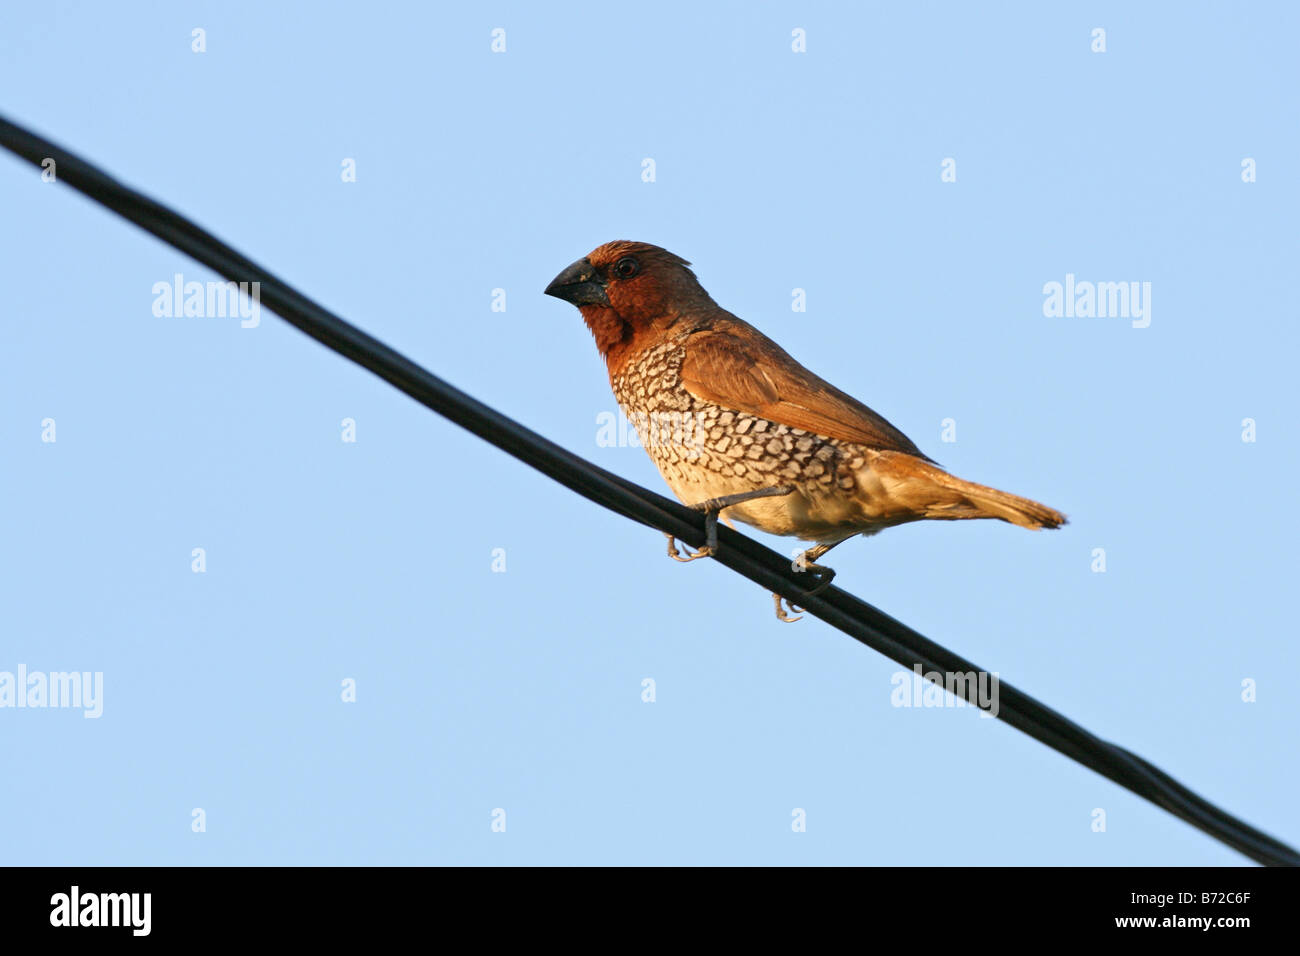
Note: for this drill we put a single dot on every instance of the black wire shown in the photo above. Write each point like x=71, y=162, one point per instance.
x=747, y=557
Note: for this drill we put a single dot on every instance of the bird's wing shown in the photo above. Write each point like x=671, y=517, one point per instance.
x=750, y=373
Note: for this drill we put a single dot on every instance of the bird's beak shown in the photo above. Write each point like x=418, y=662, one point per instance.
x=579, y=284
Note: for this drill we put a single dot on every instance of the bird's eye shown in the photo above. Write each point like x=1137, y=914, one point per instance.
x=626, y=267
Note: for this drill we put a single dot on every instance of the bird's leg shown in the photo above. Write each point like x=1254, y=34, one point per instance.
x=711, y=508
x=807, y=562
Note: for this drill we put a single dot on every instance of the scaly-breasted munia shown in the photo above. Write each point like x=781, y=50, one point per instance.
x=737, y=427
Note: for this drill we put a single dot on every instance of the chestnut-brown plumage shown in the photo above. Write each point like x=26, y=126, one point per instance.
x=725, y=412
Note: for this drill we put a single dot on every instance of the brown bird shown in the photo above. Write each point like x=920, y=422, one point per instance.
x=738, y=428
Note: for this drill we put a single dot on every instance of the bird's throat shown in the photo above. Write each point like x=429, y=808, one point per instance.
x=612, y=334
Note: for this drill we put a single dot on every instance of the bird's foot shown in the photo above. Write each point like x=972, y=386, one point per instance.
x=822, y=575
x=712, y=508
x=781, y=614
x=676, y=555
x=822, y=578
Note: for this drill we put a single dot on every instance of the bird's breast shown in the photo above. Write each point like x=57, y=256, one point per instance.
x=704, y=450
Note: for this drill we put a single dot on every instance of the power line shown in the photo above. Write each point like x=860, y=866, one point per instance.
x=747, y=557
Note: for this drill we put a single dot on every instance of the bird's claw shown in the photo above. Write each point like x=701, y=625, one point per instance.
x=823, y=578
x=781, y=615
x=712, y=508
x=673, y=553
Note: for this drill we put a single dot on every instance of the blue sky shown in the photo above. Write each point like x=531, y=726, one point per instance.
x=372, y=561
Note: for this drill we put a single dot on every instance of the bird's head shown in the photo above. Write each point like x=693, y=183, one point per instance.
x=624, y=289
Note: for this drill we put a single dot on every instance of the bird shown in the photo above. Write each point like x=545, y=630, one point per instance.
x=740, y=430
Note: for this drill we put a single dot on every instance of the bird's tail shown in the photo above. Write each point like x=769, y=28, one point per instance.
x=944, y=496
